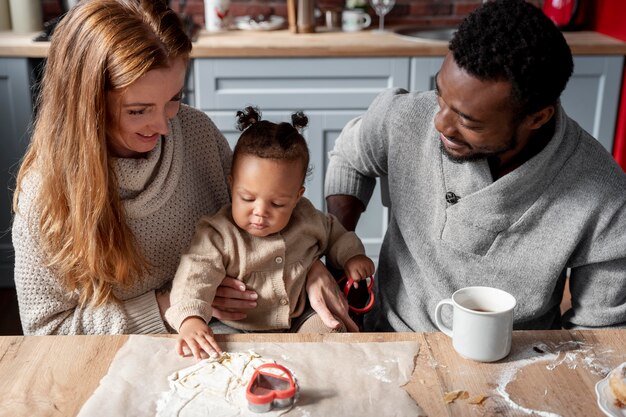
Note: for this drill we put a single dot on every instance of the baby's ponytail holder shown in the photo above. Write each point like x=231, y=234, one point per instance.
x=299, y=120
x=247, y=117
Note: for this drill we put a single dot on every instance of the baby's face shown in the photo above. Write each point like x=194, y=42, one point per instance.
x=265, y=192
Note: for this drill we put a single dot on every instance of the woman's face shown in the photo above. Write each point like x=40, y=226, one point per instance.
x=139, y=114
x=265, y=192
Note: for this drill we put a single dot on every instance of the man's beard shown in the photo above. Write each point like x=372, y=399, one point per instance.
x=479, y=156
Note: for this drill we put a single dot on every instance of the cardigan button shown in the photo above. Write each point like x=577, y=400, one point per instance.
x=279, y=260
x=452, y=198
x=283, y=301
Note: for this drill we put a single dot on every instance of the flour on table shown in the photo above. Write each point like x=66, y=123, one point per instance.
x=212, y=387
x=331, y=376
x=509, y=375
x=571, y=354
x=379, y=372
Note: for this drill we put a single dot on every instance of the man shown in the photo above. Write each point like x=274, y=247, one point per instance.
x=490, y=183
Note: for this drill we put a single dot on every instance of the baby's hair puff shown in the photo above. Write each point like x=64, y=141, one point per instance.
x=268, y=140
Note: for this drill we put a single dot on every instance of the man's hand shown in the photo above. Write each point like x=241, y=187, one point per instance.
x=326, y=298
x=232, y=301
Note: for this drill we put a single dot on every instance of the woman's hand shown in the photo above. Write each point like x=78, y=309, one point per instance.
x=232, y=300
x=163, y=301
x=196, y=335
x=326, y=298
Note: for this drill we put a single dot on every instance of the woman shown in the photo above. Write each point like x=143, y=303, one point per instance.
x=117, y=174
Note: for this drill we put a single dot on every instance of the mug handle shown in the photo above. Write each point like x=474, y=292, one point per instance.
x=438, y=319
x=367, y=22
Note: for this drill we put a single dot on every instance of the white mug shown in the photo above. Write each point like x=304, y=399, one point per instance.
x=354, y=20
x=215, y=14
x=482, y=322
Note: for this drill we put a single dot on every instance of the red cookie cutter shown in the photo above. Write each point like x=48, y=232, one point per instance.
x=350, y=292
x=271, y=385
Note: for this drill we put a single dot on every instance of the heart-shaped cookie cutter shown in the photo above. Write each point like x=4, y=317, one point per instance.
x=271, y=386
x=347, y=285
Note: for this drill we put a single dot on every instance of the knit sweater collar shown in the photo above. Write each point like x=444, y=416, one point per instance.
x=497, y=205
x=145, y=184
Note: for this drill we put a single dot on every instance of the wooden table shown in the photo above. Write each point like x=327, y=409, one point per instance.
x=55, y=375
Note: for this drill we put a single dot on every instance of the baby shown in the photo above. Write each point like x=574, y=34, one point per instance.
x=267, y=238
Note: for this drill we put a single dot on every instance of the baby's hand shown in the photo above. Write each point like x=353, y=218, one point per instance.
x=198, y=337
x=359, y=267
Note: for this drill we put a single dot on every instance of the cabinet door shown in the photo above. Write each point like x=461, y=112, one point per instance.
x=295, y=83
x=373, y=222
x=15, y=114
x=423, y=71
x=591, y=96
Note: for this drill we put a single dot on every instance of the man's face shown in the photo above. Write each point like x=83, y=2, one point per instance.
x=476, y=119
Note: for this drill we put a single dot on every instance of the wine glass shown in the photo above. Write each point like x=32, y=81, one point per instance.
x=382, y=7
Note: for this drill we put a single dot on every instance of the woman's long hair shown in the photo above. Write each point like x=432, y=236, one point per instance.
x=99, y=46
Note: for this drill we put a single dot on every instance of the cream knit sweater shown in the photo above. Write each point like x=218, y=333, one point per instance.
x=164, y=195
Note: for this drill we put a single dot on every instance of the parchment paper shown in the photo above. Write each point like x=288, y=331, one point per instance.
x=335, y=379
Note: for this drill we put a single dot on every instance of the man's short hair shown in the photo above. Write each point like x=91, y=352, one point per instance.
x=513, y=40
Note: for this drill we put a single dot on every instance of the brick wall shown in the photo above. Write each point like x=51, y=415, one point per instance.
x=50, y=8
x=427, y=12
x=405, y=12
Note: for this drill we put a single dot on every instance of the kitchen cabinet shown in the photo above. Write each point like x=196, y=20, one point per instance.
x=331, y=91
x=15, y=114
x=592, y=95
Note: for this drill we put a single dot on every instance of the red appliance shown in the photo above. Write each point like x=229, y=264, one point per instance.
x=566, y=14
x=608, y=17
x=561, y=12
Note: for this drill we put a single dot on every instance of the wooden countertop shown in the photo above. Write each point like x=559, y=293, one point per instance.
x=282, y=43
x=55, y=375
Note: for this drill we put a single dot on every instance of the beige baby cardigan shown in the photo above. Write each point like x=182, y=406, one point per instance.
x=274, y=266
